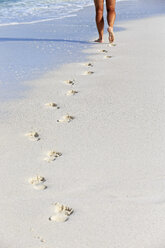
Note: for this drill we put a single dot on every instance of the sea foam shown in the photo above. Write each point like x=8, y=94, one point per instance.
x=14, y=12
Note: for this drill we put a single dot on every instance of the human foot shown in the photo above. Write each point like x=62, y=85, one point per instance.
x=111, y=34
x=99, y=40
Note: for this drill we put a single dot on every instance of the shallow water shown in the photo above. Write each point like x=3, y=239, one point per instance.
x=21, y=11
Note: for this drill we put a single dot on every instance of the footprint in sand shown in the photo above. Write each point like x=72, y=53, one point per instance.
x=103, y=51
x=38, y=182
x=88, y=73
x=52, y=155
x=62, y=213
x=71, y=92
x=70, y=82
x=66, y=118
x=89, y=64
x=52, y=105
x=108, y=57
x=34, y=136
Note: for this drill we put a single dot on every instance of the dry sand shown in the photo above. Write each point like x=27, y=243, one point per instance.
x=107, y=162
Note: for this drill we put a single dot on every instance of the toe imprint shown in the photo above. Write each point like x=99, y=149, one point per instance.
x=59, y=208
x=34, y=136
x=66, y=118
x=71, y=92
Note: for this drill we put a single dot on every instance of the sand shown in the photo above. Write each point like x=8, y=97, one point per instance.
x=106, y=156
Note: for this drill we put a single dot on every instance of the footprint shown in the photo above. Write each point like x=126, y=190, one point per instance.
x=37, y=182
x=34, y=136
x=52, y=155
x=71, y=92
x=62, y=213
x=108, y=57
x=103, y=51
x=52, y=104
x=70, y=82
x=89, y=64
x=66, y=118
x=88, y=73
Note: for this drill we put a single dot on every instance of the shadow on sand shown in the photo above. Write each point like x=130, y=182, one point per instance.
x=9, y=39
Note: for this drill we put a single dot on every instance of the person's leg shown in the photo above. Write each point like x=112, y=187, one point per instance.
x=99, y=6
x=111, y=15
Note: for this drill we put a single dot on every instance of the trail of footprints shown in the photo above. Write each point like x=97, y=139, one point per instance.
x=61, y=212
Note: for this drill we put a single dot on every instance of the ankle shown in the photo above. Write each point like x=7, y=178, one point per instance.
x=110, y=28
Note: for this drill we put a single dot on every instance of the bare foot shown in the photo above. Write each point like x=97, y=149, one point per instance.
x=99, y=40
x=111, y=34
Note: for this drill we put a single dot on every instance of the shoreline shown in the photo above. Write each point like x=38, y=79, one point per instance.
x=111, y=171
x=33, y=50
x=27, y=52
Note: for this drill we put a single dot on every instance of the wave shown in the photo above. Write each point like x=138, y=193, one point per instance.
x=15, y=12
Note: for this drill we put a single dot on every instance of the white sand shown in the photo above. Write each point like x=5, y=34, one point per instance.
x=112, y=168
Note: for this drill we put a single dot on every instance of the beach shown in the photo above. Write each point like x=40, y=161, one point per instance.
x=89, y=135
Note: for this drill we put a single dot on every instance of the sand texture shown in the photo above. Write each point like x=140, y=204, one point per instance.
x=96, y=147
